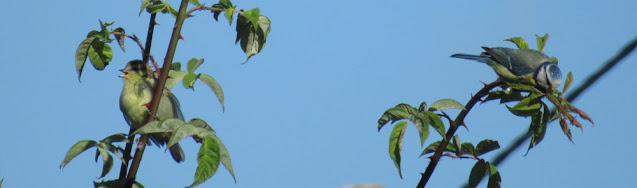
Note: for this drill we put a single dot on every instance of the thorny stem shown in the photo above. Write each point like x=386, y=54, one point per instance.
x=209, y=8
x=452, y=130
x=158, y=91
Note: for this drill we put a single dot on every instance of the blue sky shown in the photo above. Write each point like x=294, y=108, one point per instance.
x=303, y=112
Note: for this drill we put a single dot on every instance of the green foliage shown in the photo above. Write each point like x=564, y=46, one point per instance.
x=480, y=169
x=420, y=118
x=463, y=150
x=104, y=148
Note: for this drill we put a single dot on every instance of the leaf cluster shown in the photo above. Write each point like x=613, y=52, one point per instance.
x=421, y=117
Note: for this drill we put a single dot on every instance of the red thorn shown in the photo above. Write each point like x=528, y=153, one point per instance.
x=464, y=125
x=485, y=84
x=147, y=105
x=182, y=37
x=156, y=23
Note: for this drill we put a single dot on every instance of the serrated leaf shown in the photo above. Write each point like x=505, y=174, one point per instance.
x=145, y=4
x=216, y=88
x=189, y=80
x=165, y=126
x=174, y=78
x=253, y=16
x=411, y=110
x=526, y=107
x=396, y=144
x=567, y=83
x=76, y=150
x=444, y=104
x=421, y=122
x=485, y=146
x=477, y=172
x=436, y=123
x=518, y=41
x=252, y=31
x=216, y=11
x=172, y=10
x=504, y=96
x=208, y=160
x=494, y=177
x=120, y=36
x=182, y=132
x=229, y=13
x=565, y=129
x=193, y=64
x=100, y=54
x=200, y=123
x=107, y=162
x=393, y=114
x=225, y=156
x=81, y=54
x=541, y=41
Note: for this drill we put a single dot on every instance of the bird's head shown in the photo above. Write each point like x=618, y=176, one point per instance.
x=134, y=69
x=548, y=76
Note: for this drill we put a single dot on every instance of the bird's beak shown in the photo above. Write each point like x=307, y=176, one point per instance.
x=125, y=73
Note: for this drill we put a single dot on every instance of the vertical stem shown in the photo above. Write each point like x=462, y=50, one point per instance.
x=131, y=136
x=158, y=90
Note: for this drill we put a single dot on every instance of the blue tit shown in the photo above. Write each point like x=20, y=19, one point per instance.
x=524, y=66
x=135, y=97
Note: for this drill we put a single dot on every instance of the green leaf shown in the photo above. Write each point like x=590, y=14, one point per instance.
x=174, y=78
x=189, y=80
x=108, y=162
x=477, y=172
x=541, y=41
x=81, y=53
x=422, y=107
x=156, y=8
x=200, y=123
x=411, y=110
x=518, y=41
x=165, y=126
x=538, y=126
x=195, y=2
x=145, y=4
x=494, y=177
x=182, y=132
x=216, y=11
x=120, y=36
x=468, y=149
x=252, y=31
x=225, y=3
x=393, y=114
x=100, y=54
x=444, y=104
x=76, y=150
x=216, y=88
x=421, y=121
x=225, y=156
x=513, y=95
x=396, y=144
x=113, y=149
x=567, y=83
x=118, y=137
x=229, y=13
x=436, y=123
x=526, y=107
x=208, y=160
x=193, y=64
x=176, y=66
x=431, y=148
x=485, y=146
x=253, y=16
x=456, y=145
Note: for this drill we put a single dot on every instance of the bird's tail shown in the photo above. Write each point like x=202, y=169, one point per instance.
x=471, y=57
x=177, y=153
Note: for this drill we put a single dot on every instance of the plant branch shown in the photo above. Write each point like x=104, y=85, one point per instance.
x=158, y=90
x=452, y=130
x=145, y=56
x=210, y=8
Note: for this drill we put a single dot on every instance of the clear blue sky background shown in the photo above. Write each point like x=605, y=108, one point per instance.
x=303, y=112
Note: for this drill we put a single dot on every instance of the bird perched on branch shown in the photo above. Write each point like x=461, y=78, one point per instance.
x=135, y=99
x=524, y=66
